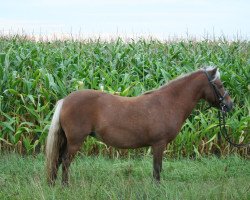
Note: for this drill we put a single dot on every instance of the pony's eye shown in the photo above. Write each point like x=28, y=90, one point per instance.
x=220, y=86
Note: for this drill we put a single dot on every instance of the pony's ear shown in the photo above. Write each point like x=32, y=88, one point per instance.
x=214, y=73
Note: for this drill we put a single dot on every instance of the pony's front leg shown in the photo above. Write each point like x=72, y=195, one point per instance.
x=157, y=159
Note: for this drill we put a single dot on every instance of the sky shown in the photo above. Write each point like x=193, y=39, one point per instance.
x=129, y=18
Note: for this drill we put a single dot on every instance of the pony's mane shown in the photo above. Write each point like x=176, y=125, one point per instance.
x=167, y=84
x=183, y=76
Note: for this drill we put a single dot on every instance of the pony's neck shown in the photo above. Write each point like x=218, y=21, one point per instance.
x=186, y=92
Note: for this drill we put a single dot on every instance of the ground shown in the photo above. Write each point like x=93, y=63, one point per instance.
x=23, y=177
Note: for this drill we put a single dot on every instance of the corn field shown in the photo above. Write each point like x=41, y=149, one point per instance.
x=35, y=74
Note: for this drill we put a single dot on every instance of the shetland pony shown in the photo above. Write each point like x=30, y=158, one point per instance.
x=152, y=119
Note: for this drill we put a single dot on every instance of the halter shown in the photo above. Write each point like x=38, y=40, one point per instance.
x=217, y=93
x=222, y=113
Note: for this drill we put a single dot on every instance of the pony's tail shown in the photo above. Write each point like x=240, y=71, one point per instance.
x=54, y=142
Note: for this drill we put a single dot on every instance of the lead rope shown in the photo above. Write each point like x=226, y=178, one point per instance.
x=223, y=130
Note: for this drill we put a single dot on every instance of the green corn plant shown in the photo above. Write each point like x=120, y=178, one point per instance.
x=36, y=74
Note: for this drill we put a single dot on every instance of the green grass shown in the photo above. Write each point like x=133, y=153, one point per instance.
x=23, y=177
x=35, y=74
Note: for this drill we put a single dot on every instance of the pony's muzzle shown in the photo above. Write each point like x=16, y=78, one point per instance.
x=228, y=106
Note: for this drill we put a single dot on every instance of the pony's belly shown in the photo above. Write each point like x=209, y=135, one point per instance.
x=121, y=139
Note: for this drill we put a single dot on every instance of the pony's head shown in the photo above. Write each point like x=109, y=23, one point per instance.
x=215, y=92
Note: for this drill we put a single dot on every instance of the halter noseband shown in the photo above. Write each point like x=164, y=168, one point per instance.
x=216, y=91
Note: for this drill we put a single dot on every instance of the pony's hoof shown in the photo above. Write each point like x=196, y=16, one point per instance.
x=65, y=184
x=51, y=183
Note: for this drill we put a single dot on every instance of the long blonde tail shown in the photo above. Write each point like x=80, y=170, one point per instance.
x=53, y=144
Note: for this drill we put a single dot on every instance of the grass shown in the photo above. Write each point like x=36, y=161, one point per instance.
x=35, y=74
x=23, y=177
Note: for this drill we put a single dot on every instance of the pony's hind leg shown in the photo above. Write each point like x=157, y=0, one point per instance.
x=67, y=158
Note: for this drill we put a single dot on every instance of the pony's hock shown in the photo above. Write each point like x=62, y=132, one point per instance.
x=152, y=119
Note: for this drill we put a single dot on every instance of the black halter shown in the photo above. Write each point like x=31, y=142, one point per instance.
x=222, y=113
x=217, y=93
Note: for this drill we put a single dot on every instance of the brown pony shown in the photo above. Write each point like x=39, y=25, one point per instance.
x=152, y=119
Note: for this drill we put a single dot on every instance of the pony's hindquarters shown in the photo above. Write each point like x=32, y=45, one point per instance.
x=55, y=140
